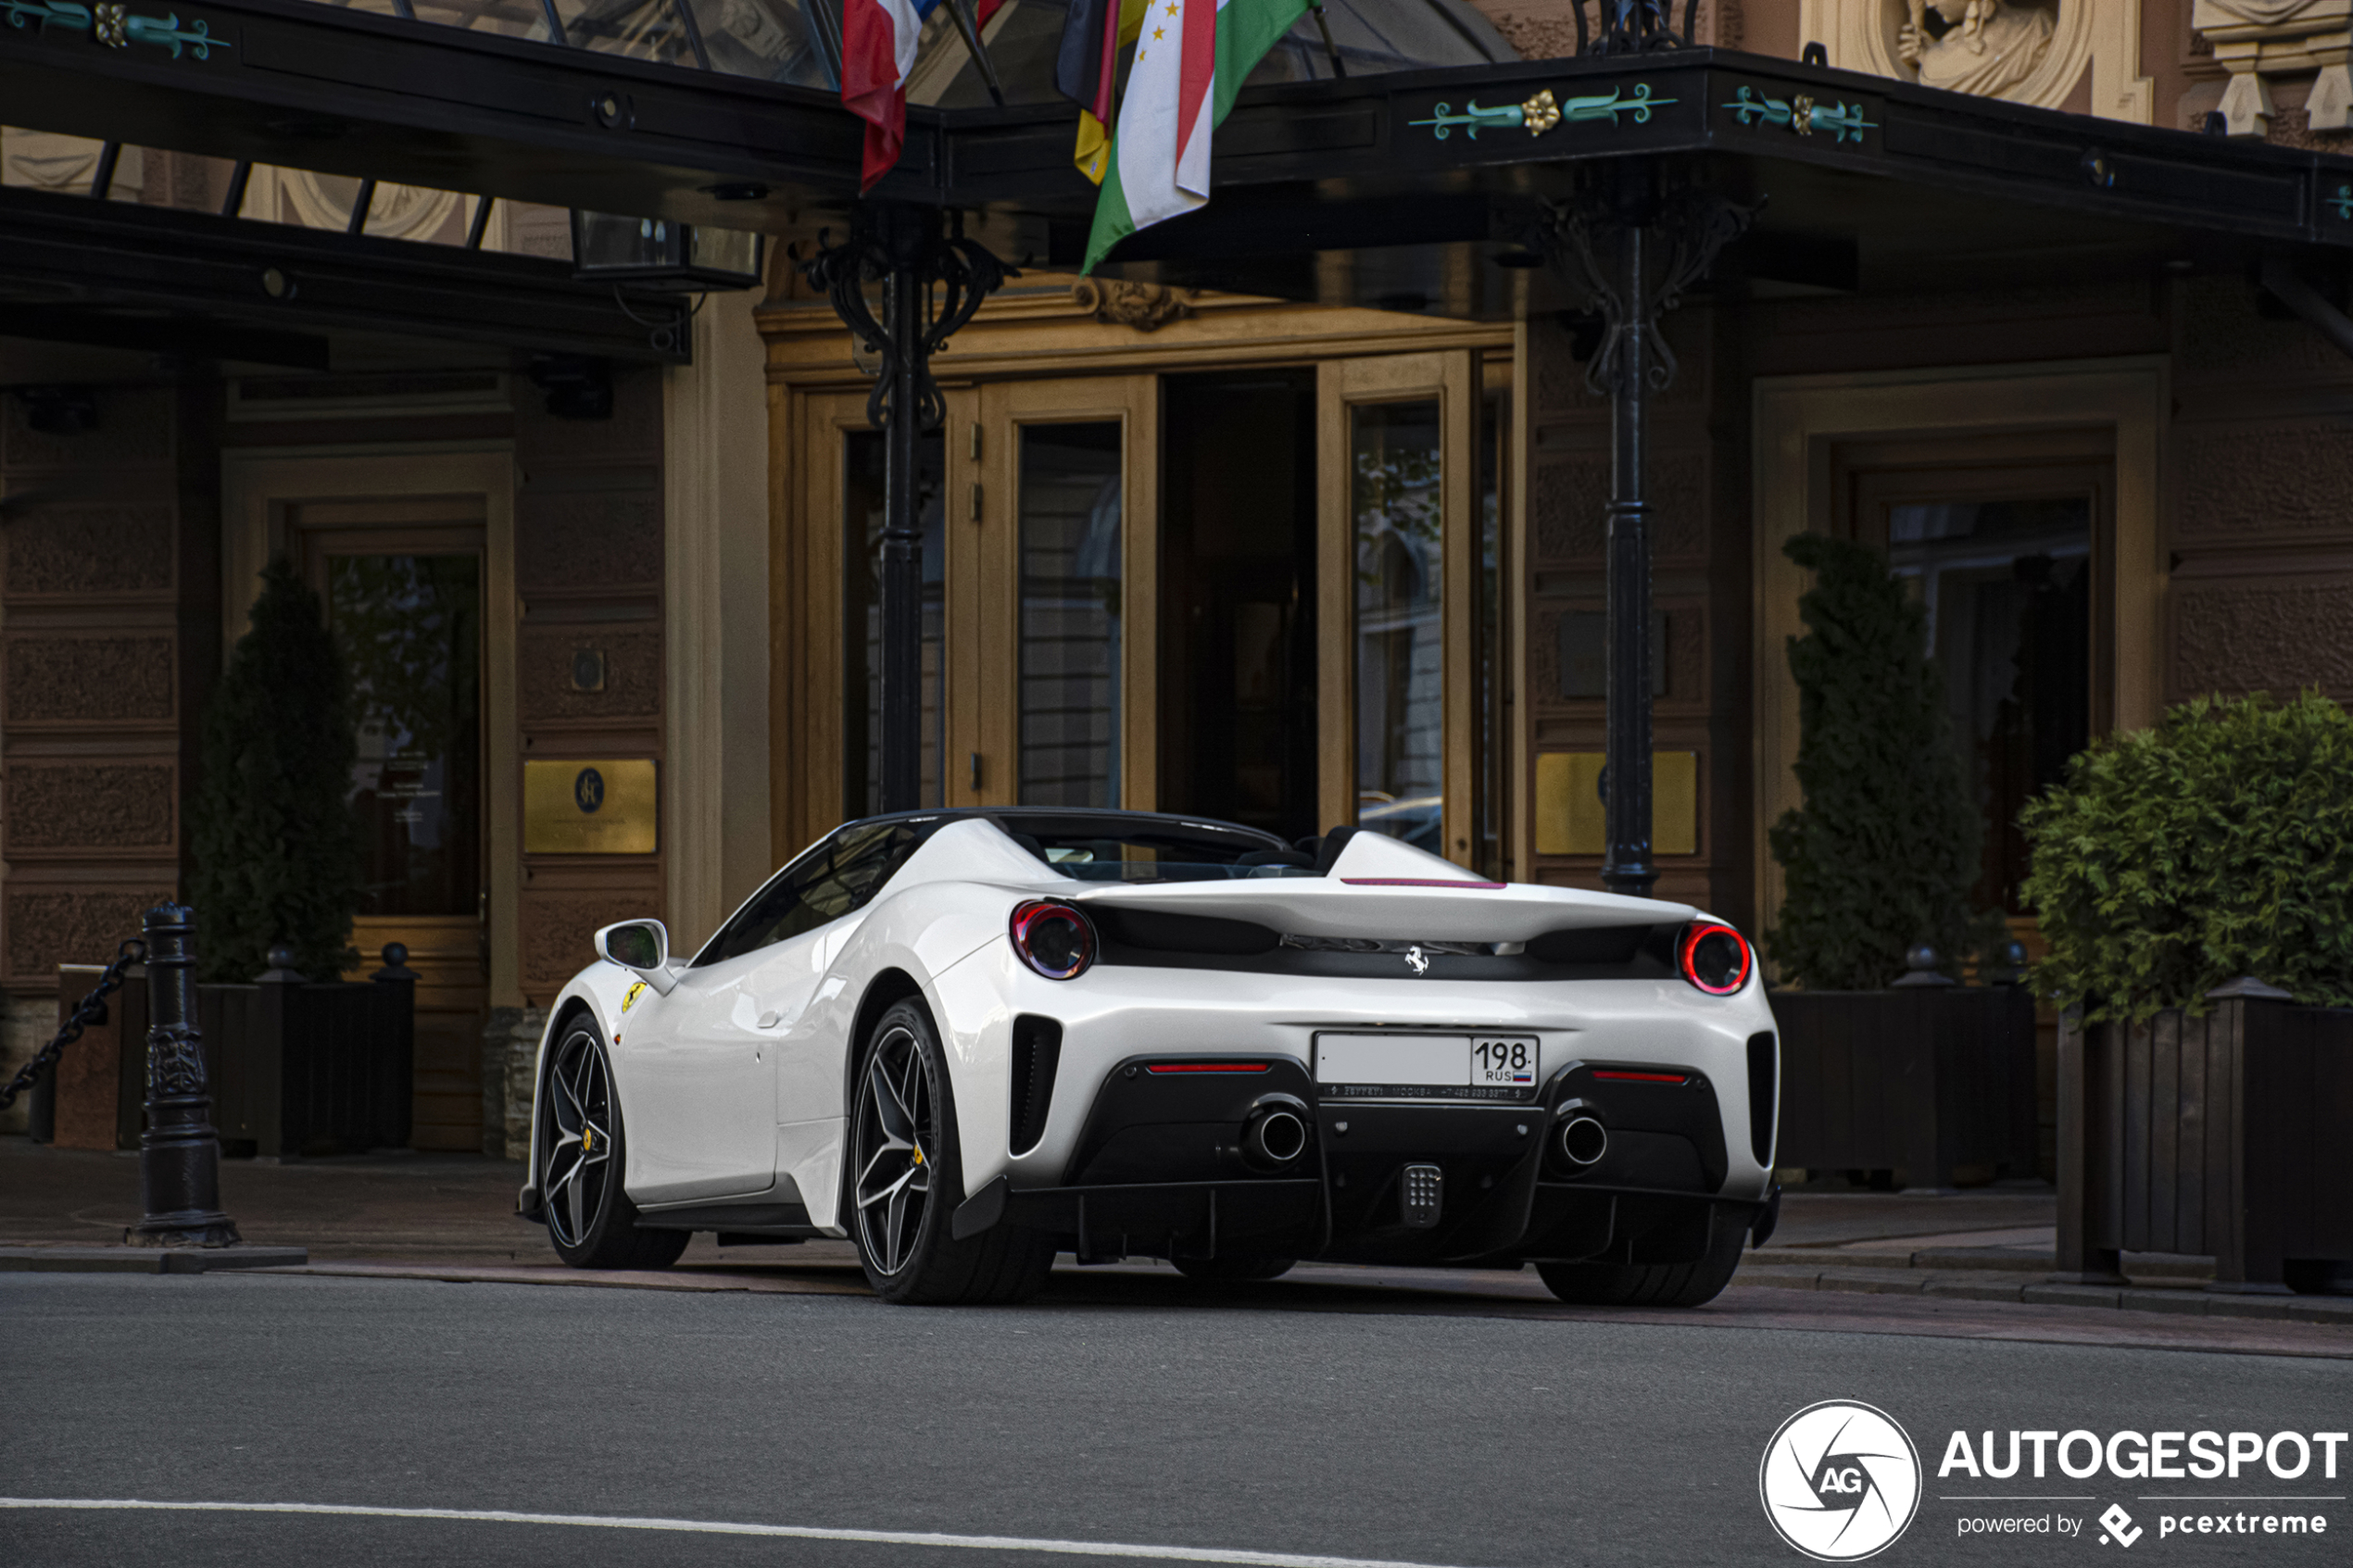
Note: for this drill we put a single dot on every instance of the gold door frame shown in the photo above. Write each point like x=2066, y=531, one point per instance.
x=1453, y=379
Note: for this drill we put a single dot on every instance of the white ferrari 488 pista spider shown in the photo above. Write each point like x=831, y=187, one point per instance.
x=970, y=1040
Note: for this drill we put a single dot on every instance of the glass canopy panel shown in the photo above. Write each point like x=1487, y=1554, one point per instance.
x=1373, y=37
x=766, y=39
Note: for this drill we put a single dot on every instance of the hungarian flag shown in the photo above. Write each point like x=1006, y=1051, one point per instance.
x=1190, y=59
x=877, y=51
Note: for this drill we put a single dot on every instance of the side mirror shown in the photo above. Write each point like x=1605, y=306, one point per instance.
x=641, y=946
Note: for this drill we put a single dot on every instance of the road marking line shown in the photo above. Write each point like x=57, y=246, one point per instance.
x=721, y=1527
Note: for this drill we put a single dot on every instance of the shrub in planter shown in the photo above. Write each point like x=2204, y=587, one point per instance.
x=1884, y=852
x=276, y=855
x=2218, y=844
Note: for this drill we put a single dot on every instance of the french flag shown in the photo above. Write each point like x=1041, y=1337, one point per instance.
x=878, y=40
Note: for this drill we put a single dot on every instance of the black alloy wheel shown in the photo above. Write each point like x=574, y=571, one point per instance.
x=591, y=1222
x=904, y=1185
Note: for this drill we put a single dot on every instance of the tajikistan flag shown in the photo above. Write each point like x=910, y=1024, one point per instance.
x=1190, y=59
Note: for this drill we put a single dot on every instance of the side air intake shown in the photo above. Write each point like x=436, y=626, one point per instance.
x=1038, y=1051
x=1762, y=1058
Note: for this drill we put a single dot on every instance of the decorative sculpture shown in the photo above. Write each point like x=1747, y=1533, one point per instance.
x=1987, y=47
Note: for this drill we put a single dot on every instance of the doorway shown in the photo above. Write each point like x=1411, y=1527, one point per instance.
x=402, y=583
x=1238, y=598
x=2007, y=542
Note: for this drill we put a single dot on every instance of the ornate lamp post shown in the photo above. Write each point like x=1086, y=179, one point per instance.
x=931, y=285
x=1601, y=242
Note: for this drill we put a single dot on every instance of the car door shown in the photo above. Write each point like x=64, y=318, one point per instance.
x=728, y=1057
x=701, y=1085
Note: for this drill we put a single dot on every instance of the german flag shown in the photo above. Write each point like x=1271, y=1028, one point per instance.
x=1086, y=72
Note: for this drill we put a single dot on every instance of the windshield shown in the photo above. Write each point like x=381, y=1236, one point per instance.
x=1153, y=849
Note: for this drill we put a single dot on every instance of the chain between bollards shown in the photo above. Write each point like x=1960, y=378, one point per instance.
x=91, y=1009
x=180, y=1153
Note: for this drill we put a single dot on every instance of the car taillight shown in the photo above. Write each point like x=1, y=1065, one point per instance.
x=1713, y=957
x=1054, y=939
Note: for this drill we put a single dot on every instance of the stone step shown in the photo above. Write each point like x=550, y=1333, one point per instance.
x=2007, y=1285
x=146, y=1260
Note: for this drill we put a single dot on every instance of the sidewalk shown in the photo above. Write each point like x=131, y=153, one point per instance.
x=1974, y=1262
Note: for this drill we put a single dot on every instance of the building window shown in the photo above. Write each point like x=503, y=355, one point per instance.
x=1070, y=613
x=1395, y=507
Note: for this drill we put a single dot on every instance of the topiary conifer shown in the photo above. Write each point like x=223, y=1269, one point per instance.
x=276, y=852
x=1884, y=852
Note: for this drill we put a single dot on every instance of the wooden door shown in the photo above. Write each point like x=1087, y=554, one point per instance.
x=1396, y=484
x=1052, y=641
x=403, y=584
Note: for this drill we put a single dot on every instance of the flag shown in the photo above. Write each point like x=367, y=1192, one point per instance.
x=1086, y=70
x=878, y=50
x=1190, y=60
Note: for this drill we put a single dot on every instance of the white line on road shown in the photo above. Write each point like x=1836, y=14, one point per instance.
x=721, y=1528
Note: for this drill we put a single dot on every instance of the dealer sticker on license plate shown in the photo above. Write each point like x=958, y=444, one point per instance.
x=1401, y=1066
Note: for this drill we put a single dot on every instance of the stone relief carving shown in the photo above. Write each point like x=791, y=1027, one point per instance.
x=47, y=928
x=92, y=805
x=90, y=680
x=1987, y=47
x=2026, y=51
x=2258, y=41
x=75, y=549
x=1145, y=307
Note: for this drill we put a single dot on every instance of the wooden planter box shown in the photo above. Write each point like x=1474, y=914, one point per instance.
x=296, y=1068
x=2229, y=1137
x=1920, y=1079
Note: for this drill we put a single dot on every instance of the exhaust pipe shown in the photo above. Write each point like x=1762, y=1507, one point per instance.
x=1274, y=1136
x=1583, y=1141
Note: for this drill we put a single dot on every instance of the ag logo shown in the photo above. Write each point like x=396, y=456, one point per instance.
x=1840, y=1481
x=1419, y=959
x=588, y=789
x=630, y=1000
x=2120, y=1526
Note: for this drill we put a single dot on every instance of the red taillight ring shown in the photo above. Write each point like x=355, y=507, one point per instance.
x=1700, y=931
x=1025, y=927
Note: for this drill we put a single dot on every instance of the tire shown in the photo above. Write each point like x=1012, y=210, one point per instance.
x=1650, y=1285
x=591, y=1222
x=1232, y=1271
x=904, y=1182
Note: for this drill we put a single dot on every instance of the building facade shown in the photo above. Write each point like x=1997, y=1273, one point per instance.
x=1290, y=564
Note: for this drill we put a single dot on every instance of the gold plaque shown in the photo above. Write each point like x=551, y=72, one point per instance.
x=584, y=807
x=1568, y=804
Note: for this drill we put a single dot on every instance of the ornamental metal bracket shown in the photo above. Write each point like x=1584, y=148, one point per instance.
x=112, y=23
x=1542, y=112
x=955, y=276
x=1699, y=223
x=1845, y=121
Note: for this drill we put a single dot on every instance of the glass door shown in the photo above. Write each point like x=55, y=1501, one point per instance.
x=1399, y=577
x=405, y=604
x=1050, y=700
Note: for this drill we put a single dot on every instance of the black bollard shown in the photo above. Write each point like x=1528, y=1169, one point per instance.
x=180, y=1153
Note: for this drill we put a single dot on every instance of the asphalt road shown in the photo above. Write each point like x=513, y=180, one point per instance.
x=1440, y=1439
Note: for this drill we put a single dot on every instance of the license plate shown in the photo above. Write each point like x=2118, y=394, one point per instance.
x=1401, y=1066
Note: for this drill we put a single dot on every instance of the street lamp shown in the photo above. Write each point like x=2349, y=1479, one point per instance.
x=656, y=253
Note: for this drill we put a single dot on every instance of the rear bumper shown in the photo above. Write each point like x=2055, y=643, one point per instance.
x=1162, y=1170
x=1294, y=1219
